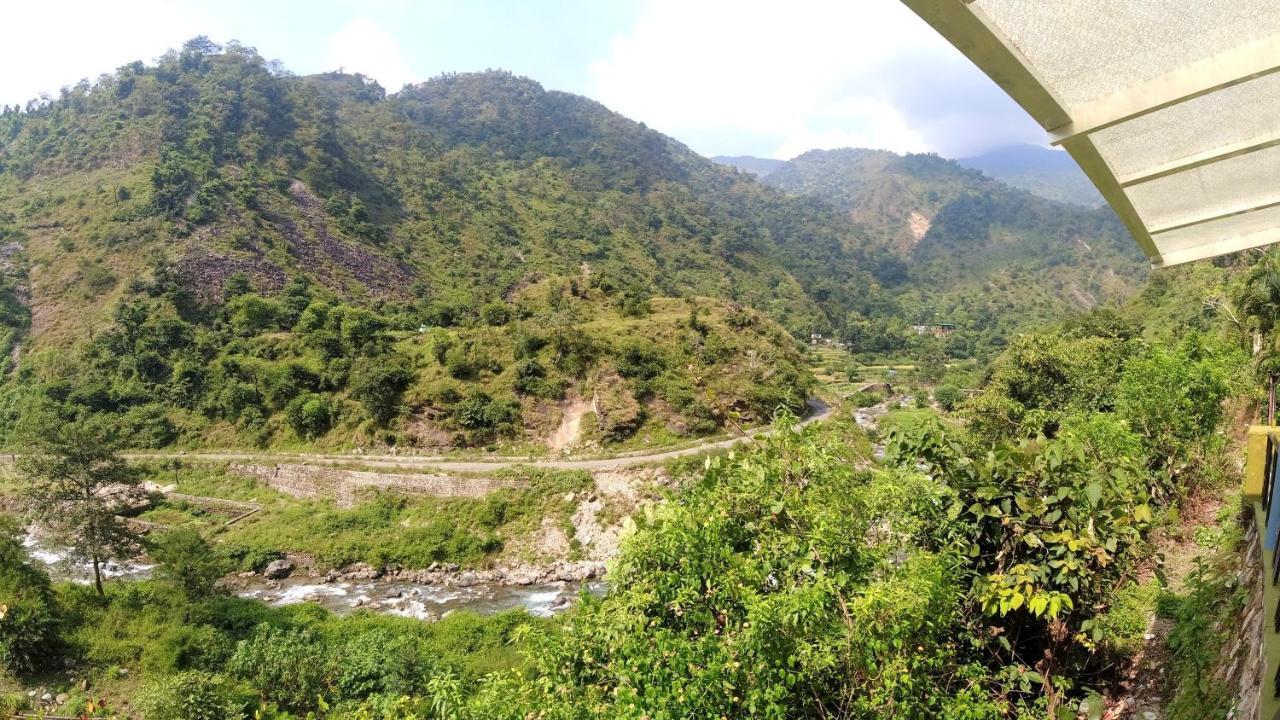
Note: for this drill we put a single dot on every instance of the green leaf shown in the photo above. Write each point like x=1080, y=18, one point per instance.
x=1094, y=492
x=1092, y=707
x=1142, y=513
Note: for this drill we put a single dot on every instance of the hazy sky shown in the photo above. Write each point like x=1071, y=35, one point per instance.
x=761, y=77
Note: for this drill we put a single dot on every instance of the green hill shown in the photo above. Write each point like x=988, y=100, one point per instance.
x=218, y=251
x=967, y=249
x=210, y=245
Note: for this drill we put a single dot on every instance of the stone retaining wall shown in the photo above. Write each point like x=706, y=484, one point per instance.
x=1243, y=654
x=346, y=487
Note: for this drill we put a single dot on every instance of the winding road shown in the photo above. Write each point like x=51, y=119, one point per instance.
x=818, y=411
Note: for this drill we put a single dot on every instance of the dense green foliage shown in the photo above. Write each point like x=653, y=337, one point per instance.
x=28, y=621
x=305, y=367
x=993, y=584
x=315, y=263
x=1070, y=454
x=222, y=657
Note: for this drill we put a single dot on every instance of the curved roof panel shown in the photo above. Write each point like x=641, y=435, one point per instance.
x=1171, y=108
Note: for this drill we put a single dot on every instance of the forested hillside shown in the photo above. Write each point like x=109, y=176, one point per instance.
x=208, y=245
x=221, y=252
x=967, y=249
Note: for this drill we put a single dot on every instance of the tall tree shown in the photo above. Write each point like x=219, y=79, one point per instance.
x=1259, y=302
x=75, y=484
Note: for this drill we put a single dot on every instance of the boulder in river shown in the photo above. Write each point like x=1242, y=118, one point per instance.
x=361, y=572
x=468, y=579
x=277, y=570
x=523, y=576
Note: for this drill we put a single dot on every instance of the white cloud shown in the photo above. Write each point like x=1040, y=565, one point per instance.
x=791, y=76
x=49, y=44
x=365, y=47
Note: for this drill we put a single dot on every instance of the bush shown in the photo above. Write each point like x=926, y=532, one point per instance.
x=866, y=399
x=531, y=379
x=187, y=561
x=191, y=695
x=948, y=397
x=148, y=426
x=310, y=415
x=288, y=667
x=484, y=416
x=495, y=313
x=28, y=610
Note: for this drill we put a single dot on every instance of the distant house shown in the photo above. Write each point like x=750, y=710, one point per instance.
x=940, y=330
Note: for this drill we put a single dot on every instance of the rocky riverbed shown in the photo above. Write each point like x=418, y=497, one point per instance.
x=427, y=594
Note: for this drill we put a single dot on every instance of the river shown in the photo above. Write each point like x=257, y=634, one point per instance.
x=388, y=595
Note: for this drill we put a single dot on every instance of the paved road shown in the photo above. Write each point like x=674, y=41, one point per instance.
x=818, y=410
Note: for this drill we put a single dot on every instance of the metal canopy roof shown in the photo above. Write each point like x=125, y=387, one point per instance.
x=1171, y=107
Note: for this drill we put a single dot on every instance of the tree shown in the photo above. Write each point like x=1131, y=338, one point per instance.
x=1259, y=303
x=188, y=562
x=378, y=384
x=74, y=483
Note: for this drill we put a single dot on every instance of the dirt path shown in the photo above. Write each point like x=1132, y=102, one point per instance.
x=818, y=411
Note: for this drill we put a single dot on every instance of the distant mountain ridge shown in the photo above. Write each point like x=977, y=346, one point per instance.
x=757, y=166
x=1052, y=174
x=965, y=247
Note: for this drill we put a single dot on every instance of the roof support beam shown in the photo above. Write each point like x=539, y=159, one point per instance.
x=973, y=33
x=1202, y=77
x=1090, y=161
x=1192, y=162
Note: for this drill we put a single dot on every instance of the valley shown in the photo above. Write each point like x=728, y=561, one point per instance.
x=478, y=400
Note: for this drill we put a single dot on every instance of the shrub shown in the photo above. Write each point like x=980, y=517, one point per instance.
x=495, y=313
x=148, y=426
x=251, y=314
x=866, y=399
x=310, y=415
x=948, y=397
x=187, y=561
x=485, y=416
x=191, y=695
x=531, y=379
x=288, y=667
x=28, y=619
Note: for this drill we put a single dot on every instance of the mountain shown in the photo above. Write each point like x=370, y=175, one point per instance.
x=220, y=252
x=760, y=167
x=1051, y=174
x=967, y=249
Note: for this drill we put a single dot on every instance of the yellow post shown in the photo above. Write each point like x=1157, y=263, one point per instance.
x=1255, y=461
